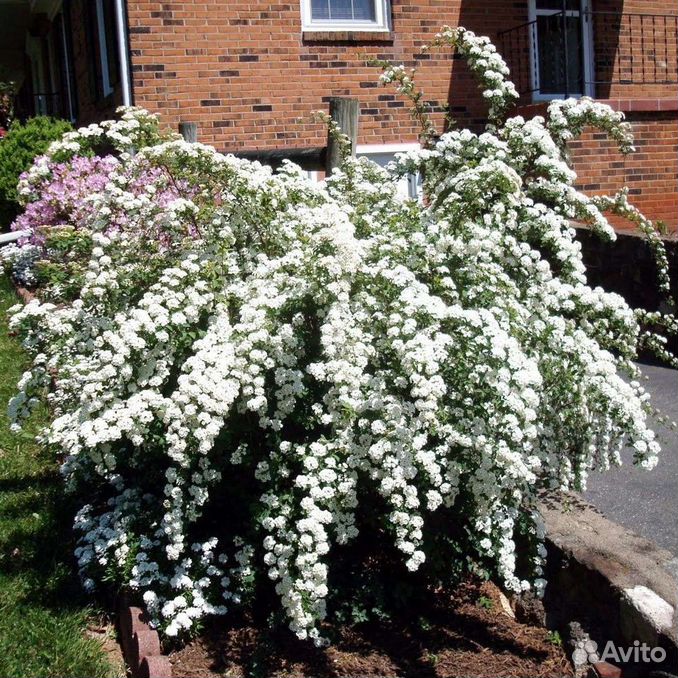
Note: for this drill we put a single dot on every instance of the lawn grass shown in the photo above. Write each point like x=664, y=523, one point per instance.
x=43, y=616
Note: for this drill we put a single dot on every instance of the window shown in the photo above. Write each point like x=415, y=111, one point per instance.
x=561, y=48
x=65, y=60
x=104, y=67
x=409, y=186
x=345, y=15
x=382, y=155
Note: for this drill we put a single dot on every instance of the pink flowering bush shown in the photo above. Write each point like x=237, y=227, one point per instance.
x=22, y=143
x=57, y=217
x=60, y=194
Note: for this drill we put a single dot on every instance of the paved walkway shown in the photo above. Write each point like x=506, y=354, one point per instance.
x=646, y=501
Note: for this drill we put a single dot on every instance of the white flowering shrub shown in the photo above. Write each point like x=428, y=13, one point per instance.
x=263, y=370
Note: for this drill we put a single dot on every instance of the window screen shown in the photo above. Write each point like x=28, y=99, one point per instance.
x=343, y=10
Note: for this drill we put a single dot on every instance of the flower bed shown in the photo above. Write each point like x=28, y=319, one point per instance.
x=264, y=384
x=468, y=636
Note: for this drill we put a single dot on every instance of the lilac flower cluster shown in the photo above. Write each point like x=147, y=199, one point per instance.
x=62, y=196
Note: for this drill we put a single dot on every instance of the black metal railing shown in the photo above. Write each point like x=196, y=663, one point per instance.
x=48, y=103
x=27, y=105
x=570, y=53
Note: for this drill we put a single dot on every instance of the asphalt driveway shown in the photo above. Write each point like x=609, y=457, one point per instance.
x=646, y=501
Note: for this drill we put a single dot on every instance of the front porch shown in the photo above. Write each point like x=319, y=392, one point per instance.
x=36, y=56
x=573, y=48
x=61, y=58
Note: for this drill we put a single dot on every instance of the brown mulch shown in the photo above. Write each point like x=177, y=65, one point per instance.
x=463, y=640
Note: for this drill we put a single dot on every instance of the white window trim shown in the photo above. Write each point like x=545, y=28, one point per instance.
x=587, y=37
x=381, y=24
x=106, y=88
x=367, y=149
x=413, y=181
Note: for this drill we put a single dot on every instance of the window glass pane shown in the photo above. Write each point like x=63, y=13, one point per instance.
x=557, y=5
x=343, y=10
x=363, y=10
x=553, y=63
x=111, y=42
x=320, y=10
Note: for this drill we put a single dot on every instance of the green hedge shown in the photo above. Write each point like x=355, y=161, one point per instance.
x=23, y=142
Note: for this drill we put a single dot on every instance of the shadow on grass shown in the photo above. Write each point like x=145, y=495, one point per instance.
x=36, y=542
x=43, y=613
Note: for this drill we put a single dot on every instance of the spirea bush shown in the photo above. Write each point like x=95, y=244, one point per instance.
x=263, y=370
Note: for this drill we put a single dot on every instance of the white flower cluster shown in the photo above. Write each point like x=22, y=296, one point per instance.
x=567, y=119
x=297, y=356
x=20, y=261
x=486, y=64
x=134, y=129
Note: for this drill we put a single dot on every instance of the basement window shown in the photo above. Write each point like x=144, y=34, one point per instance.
x=383, y=154
x=345, y=15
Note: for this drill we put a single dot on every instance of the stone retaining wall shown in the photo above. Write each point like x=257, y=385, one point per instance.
x=619, y=586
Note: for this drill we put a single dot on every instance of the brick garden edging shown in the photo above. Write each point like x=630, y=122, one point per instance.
x=141, y=644
x=24, y=294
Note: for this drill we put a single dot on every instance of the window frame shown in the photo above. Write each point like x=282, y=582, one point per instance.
x=381, y=23
x=411, y=184
x=102, y=40
x=103, y=64
x=583, y=13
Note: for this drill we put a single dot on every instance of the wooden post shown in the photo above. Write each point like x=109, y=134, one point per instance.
x=344, y=112
x=189, y=130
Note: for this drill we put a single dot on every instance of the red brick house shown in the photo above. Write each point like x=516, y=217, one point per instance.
x=249, y=72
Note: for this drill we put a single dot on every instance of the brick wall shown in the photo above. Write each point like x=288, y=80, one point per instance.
x=635, y=47
x=247, y=75
x=651, y=173
x=244, y=71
